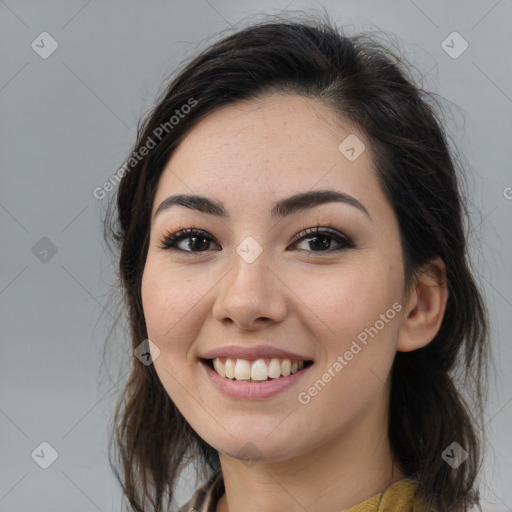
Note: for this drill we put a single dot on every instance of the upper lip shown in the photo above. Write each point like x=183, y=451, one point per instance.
x=258, y=352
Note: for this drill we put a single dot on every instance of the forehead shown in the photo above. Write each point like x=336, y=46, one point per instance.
x=269, y=148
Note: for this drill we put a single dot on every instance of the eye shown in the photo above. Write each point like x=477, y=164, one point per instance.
x=199, y=240
x=322, y=237
x=196, y=238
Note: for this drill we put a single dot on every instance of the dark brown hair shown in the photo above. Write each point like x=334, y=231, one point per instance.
x=368, y=85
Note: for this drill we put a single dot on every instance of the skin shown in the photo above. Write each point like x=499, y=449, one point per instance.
x=295, y=296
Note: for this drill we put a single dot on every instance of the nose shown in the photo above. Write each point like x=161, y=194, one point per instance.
x=251, y=295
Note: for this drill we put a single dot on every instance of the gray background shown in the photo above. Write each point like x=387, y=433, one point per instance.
x=68, y=122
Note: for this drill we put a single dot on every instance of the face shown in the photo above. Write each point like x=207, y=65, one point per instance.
x=257, y=278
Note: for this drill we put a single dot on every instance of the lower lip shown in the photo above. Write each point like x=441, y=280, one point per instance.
x=252, y=390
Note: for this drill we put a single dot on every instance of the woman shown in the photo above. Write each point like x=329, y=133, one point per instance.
x=294, y=264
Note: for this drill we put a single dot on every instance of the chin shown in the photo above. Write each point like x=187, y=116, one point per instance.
x=256, y=446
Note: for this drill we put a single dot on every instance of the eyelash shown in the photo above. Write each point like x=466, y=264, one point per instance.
x=169, y=240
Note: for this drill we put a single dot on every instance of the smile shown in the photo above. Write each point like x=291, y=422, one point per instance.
x=257, y=370
x=256, y=379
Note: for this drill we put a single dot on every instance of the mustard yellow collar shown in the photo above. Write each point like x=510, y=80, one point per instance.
x=398, y=497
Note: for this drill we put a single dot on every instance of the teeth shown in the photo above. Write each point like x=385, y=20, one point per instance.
x=229, y=368
x=258, y=370
x=219, y=368
x=286, y=366
x=274, y=368
x=242, y=369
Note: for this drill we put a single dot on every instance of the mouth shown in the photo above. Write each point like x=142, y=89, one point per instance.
x=257, y=370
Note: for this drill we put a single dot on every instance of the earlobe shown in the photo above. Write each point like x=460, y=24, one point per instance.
x=425, y=309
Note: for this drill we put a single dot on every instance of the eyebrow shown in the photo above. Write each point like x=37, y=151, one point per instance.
x=282, y=208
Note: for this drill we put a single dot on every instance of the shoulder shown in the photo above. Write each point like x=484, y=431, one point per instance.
x=205, y=498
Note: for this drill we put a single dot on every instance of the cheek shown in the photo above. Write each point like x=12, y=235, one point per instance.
x=167, y=299
x=169, y=303
x=347, y=300
x=348, y=304
x=358, y=345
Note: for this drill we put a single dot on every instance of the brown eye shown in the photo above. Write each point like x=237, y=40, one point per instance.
x=322, y=239
x=198, y=240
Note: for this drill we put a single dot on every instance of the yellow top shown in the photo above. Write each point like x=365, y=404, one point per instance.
x=398, y=497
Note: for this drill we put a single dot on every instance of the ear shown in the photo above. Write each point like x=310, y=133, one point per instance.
x=425, y=308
